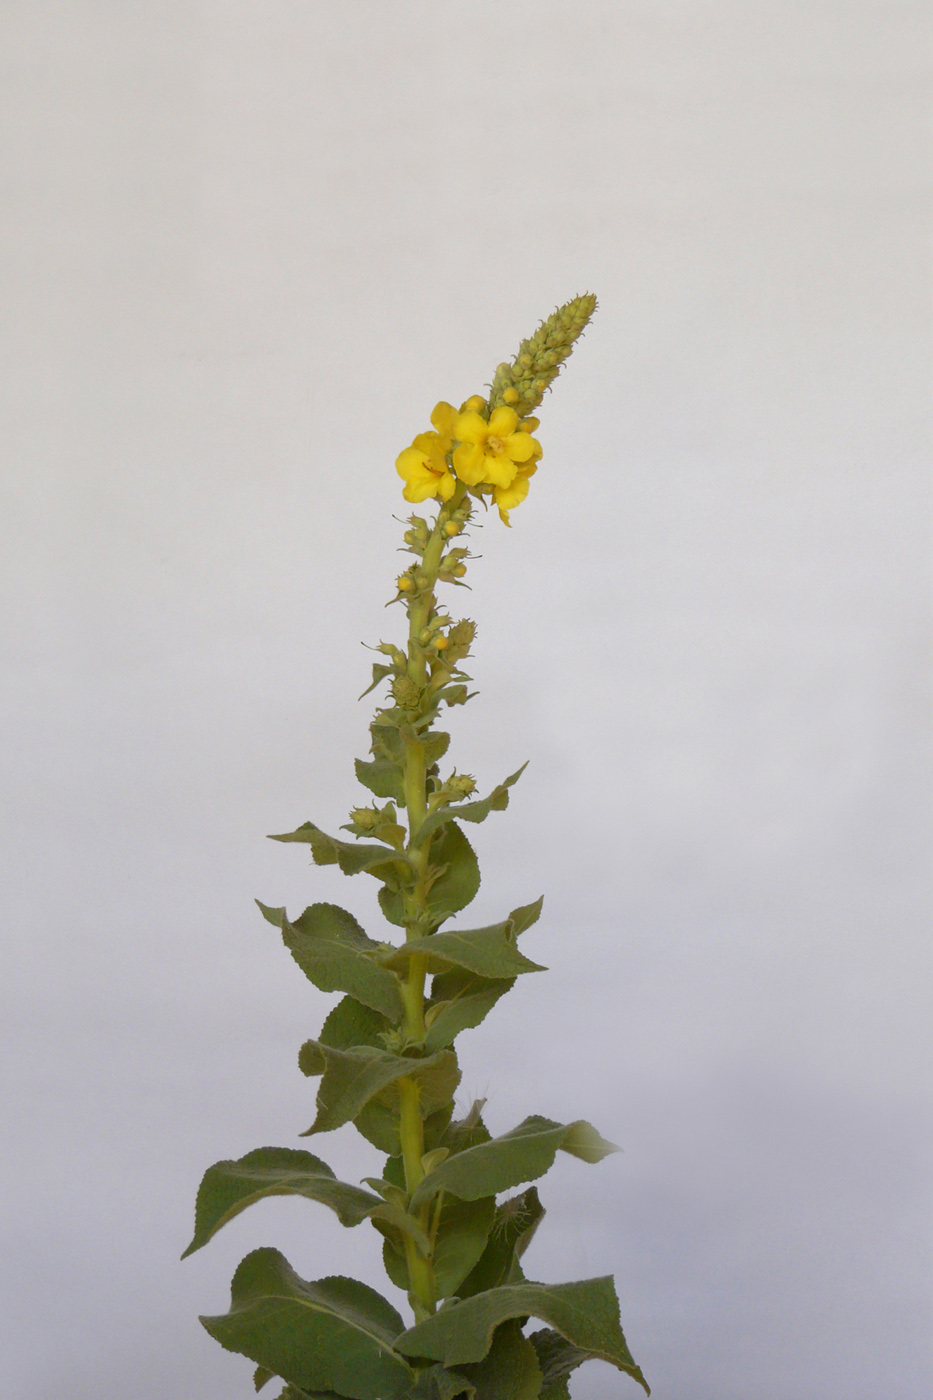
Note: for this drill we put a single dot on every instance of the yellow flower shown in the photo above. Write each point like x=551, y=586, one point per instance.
x=491, y=452
x=423, y=466
x=507, y=497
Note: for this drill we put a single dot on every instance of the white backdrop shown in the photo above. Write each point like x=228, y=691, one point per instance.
x=247, y=245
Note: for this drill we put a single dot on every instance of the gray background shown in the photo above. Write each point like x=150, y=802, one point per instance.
x=246, y=247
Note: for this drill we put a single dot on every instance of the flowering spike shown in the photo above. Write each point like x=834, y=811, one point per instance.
x=521, y=384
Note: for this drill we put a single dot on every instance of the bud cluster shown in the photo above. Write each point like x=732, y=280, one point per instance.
x=522, y=384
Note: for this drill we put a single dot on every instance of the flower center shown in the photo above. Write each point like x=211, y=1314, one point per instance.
x=495, y=445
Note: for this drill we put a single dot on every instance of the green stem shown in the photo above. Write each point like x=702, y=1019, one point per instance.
x=423, y=1293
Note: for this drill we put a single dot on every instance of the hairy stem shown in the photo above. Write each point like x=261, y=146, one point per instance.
x=423, y=1295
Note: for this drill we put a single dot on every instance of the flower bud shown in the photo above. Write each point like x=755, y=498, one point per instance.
x=461, y=784
x=404, y=583
x=452, y=528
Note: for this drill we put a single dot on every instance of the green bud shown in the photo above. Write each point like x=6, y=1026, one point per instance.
x=460, y=784
x=406, y=692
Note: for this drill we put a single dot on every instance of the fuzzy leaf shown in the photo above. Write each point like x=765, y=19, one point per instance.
x=380, y=671
x=510, y=1371
x=437, y=1383
x=229, y=1187
x=351, y=1024
x=461, y=1238
x=260, y=1375
x=336, y=955
x=459, y=1001
x=452, y=853
x=333, y=1334
x=516, y=1221
x=352, y=1077
x=586, y=1313
x=490, y=952
x=557, y=1358
x=478, y=811
x=383, y=778
x=523, y=1154
x=522, y=918
x=352, y=857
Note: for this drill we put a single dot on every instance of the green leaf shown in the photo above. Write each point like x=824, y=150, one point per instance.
x=510, y=1371
x=437, y=1383
x=352, y=857
x=586, y=1313
x=336, y=955
x=459, y=881
x=478, y=811
x=352, y=1077
x=260, y=1375
x=229, y=1187
x=333, y=1334
x=490, y=952
x=514, y=1227
x=351, y=1024
x=528, y=914
x=380, y=671
x=523, y=1154
x=383, y=778
x=459, y=1001
x=435, y=745
x=461, y=1238
x=557, y=1358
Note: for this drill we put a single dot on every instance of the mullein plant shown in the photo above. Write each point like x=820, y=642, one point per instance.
x=385, y=1055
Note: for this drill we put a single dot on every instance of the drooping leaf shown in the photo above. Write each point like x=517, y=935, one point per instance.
x=490, y=952
x=516, y=1221
x=557, y=1358
x=585, y=1313
x=334, y=1334
x=459, y=1001
x=352, y=1077
x=452, y=854
x=229, y=1187
x=352, y=857
x=510, y=1371
x=336, y=955
x=523, y=1154
x=383, y=778
x=477, y=811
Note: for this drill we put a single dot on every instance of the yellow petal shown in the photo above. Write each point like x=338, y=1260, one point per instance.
x=469, y=427
x=444, y=416
x=510, y=496
x=420, y=490
x=528, y=425
x=410, y=462
x=520, y=447
x=499, y=470
x=469, y=462
x=446, y=487
x=503, y=422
